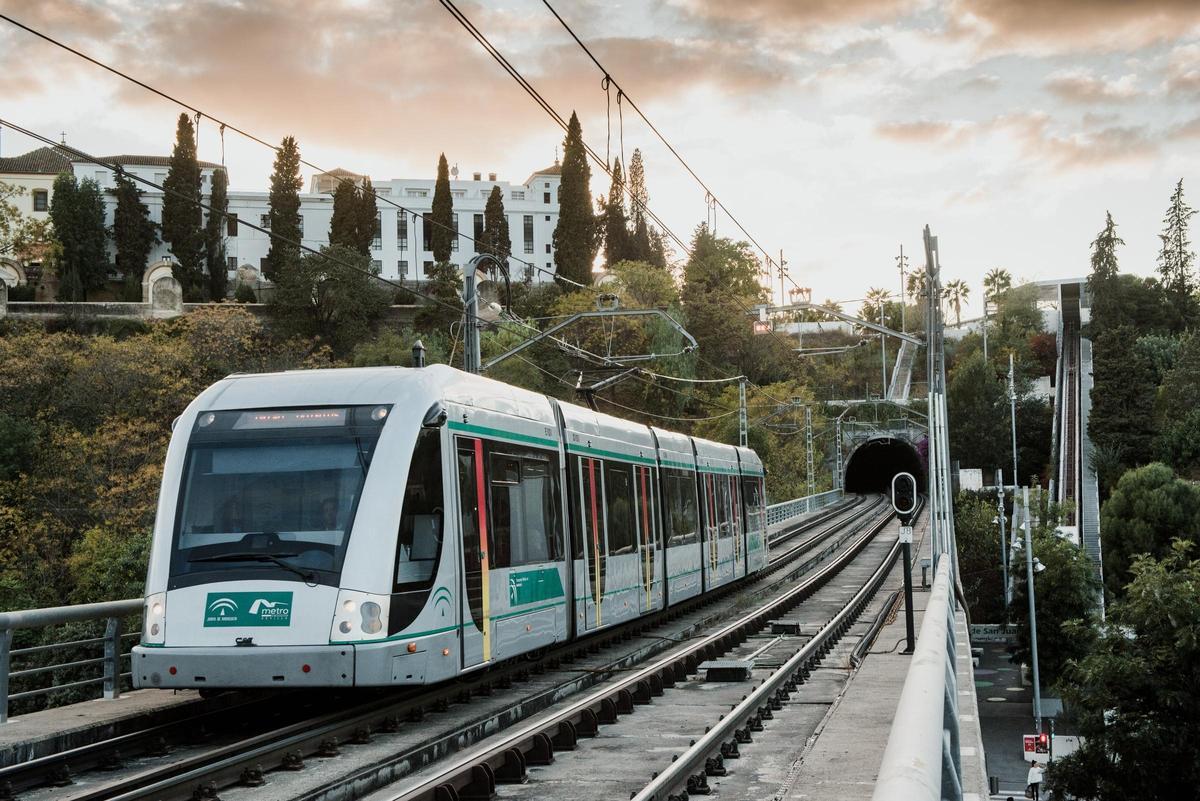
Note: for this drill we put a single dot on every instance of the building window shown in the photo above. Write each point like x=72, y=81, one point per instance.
x=262, y=264
x=402, y=268
x=402, y=230
x=41, y=200
x=478, y=227
x=203, y=179
x=416, y=193
x=458, y=193
x=377, y=237
x=426, y=265
x=546, y=185
x=101, y=176
x=426, y=230
x=230, y=225
x=454, y=241
x=547, y=218
x=528, y=233
x=518, y=194
x=546, y=197
x=547, y=247
x=231, y=262
x=376, y=266
x=264, y=221
x=301, y=218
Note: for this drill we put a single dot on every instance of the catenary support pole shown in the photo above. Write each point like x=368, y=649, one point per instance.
x=1029, y=591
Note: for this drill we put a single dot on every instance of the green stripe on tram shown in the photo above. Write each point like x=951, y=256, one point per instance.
x=485, y=431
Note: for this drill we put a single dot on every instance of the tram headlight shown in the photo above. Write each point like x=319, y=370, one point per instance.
x=154, y=619
x=359, y=616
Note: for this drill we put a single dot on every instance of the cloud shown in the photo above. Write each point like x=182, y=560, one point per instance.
x=980, y=83
x=1082, y=86
x=790, y=14
x=922, y=132
x=1074, y=25
x=1183, y=70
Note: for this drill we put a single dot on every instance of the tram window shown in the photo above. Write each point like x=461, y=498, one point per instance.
x=469, y=509
x=591, y=511
x=721, y=500
x=647, y=508
x=618, y=502
x=752, y=493
x=680, y=496
x=526, y=525
x=420, y=538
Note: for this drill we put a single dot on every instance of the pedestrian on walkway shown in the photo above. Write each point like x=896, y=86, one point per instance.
x=1034, y=780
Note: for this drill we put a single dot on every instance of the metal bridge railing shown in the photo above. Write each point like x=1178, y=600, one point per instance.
x=922, y=759
x=43, y=668
x=780, y=514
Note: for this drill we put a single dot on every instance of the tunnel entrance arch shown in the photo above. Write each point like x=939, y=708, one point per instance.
x=873, y=463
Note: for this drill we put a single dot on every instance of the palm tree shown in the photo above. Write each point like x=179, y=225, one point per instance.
x=957, y=292
x=915, y=284
x=996, y=283
x=873, y=302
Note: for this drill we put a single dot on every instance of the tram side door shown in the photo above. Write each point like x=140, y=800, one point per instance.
x=475, y=632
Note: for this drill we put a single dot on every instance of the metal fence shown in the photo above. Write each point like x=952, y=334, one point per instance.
x=779, y=514
x=922, y=759
x=69, y=664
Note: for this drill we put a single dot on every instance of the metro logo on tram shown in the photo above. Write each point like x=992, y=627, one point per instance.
x=248, y=609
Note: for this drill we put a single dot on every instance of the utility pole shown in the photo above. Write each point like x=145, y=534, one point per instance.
x=838, y=482
x=782, y=293
x=1012, y=401
x=882, y=354
x=1037, y=687
x=1003, y=540
x=743, y=434
x=808, y=442
x=903, y=262
x=985, y=322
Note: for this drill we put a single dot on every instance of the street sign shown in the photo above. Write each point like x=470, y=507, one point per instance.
x=1036, y=746
x=906, y=534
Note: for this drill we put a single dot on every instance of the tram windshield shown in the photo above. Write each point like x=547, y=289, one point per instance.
x=272, y=492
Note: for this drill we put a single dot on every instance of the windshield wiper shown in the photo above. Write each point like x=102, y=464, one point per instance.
x=255, y=556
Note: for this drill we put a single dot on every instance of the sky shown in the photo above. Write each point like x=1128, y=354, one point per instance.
x=834, y=130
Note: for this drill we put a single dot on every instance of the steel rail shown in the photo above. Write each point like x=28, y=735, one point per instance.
x=504, y=758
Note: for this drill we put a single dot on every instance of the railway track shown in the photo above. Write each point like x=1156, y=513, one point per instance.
x=523, y=756
x=255, y=742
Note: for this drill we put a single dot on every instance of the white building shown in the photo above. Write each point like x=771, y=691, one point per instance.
x=33, y=172
x=401, y=250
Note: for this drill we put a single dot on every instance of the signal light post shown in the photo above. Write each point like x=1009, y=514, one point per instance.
x=904, y=501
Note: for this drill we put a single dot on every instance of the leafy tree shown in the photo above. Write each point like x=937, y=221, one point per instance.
x=343, y=225
x=616, y=230
x=367, y=217
x=442, y=234
x=330, y=296
x=134, y=235
x=957, y=292
x=444, y=284
x=182, y=217
x=1161, y=351
x=975, y=395
x=1134, y=694
x=575, y=233
x=214, y=236
x=1176, y=261
x=1149, y=507
x=1123, y=396
x=24, y=238
x=1066, y=591
x=18, y=445
x=639, y=199
x=393, y=348
x=978, y=541
x=284, y=205
x=495, y=239
x=719, y=274
x=77, y=212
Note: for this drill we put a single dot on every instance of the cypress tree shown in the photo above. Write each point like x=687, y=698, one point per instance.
x=1102, y=282
x=616, y=230
x=343, y=226
x=575, y=233
x=63, y=215
x=182, y=217
x=366, y=218
x=1176, y=258
x=134, y=235
x=284, y=203
x=640, y=245
x=496, y=239
x=214, y=236
x=442, y=217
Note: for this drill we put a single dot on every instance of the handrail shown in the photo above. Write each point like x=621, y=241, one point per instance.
x=921, y=760
x=779, y=514
x=112, y=612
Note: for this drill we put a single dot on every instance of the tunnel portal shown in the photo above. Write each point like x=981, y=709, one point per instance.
x=873, y=463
